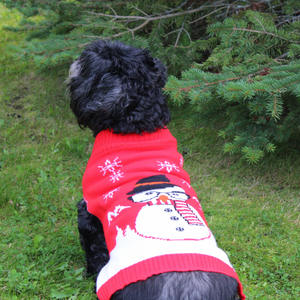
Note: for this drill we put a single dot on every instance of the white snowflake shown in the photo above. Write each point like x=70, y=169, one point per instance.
x=184, y=182
x=166, y=165
x=110, y=194
x=111, y=167
x=117, y=176
x=115, y=213
x=195, y=198
x=181, y=161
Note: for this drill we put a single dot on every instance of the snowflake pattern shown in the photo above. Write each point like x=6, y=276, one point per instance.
x=110, y=194
x=116, y=176
x=195, y=198
x=168, y=166
x=111, y=167
x=181, y=161
x=184, y=182
x=115, y=213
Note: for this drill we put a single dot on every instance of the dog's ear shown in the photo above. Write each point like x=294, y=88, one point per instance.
x=93, y=85
x=161, y=72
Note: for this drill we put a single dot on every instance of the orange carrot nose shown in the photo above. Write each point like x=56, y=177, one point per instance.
x=163, y=198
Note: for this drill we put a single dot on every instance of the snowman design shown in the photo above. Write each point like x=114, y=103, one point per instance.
x=166, y=216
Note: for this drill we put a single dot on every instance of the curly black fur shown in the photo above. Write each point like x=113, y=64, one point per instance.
x=92, y=240
x=119, y=87
x=181, y=286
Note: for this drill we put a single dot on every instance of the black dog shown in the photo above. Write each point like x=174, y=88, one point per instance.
x=116, y=90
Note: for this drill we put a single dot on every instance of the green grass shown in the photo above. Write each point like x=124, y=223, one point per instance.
x=253, y=210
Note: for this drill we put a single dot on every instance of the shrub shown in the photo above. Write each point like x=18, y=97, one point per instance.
x=252, y=77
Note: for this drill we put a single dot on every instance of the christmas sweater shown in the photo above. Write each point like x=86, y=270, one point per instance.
x=152, y=220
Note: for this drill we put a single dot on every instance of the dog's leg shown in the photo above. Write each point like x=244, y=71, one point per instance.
x=92, y=240
x=181, y=286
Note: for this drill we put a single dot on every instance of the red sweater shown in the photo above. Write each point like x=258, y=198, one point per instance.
x=152, y=220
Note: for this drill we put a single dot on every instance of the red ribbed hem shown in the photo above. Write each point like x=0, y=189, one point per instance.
x=166, y=263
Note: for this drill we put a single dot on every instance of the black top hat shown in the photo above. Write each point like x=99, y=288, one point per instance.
x=151, y=183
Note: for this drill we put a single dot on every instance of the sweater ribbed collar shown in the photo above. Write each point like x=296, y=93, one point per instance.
x=107, y=140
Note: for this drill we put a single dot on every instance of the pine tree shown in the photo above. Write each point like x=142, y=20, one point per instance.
x=58, y=30
x=252, y=76
x=238, y=60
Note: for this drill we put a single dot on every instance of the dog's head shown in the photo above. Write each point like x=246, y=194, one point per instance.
x=118, y=87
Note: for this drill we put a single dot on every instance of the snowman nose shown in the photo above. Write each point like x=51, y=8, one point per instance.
x=163, y=198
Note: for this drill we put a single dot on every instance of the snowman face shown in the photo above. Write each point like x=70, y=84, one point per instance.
x=169, y=193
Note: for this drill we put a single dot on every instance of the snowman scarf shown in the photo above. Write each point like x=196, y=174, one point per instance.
x=183, y=210
x=152, y=220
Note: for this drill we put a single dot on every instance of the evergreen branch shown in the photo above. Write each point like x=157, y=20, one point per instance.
x=110, y=37
x=187, y=89
x=27, y=28
x=279, y=57
x=134, y=29
x=206, y=84
x=292, y=122
x=270, y=47
x=233, y=146
x=150, y=18
x=180, y=30
x=112, y=9
x=260, y=23
x=95, y=26
x=239, y=90
x=157, y=30
x=274, y=132
x=141, y=11
x=274, y=107
x=187, y=34
x=94, y=37
x=106, y=5
x=176, y=8
x=257, y=31
x=288, y=20
x=227, y=52
x=254, y=131
x=203, y=17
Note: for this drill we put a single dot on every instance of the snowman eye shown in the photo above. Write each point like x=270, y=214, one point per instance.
x=144, y=196
x=179, y=195
x=149, y=193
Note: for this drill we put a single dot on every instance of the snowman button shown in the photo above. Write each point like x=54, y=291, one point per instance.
x=174, y=218
x=179, y=229
x=168, y=210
